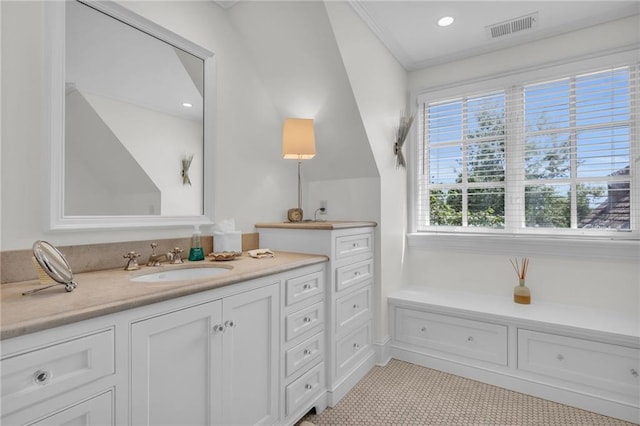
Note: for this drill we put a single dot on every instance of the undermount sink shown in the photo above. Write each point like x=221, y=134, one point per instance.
x=179, y=274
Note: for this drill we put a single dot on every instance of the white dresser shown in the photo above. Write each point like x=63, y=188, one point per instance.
x=349, y=299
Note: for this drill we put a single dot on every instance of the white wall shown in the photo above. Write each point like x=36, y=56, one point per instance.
x=592, y=282
x=379, y=86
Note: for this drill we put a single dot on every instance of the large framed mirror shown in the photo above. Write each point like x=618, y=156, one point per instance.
x=131, y=110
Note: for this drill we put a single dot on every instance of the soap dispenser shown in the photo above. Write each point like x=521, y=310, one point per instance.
x=196, y=252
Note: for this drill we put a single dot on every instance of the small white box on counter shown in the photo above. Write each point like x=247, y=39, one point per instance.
x=227, y=241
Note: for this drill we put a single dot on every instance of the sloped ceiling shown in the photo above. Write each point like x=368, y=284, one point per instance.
x=294, y=51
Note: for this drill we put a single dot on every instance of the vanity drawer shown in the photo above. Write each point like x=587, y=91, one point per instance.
x=353, y=348
x=457, y=336
x=351, y=275
x=303, y=287
x=304, y=354
x=34, y=376
x=610, y=368
x=299, y=322
x=304, y=389
x=353, y=245
x=353, y=308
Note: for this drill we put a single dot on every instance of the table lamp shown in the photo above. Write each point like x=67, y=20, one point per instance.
x=298, y=143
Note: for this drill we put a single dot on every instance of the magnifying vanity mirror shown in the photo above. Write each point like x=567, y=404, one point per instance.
x=54, y=264
x=131, y=121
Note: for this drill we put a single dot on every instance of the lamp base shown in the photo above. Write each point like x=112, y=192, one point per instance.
x=294, y=215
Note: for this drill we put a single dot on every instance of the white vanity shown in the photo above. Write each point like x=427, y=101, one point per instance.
x=243, y=348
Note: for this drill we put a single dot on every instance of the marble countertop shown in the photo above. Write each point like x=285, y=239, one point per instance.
x=109, y=291
x=314, y=224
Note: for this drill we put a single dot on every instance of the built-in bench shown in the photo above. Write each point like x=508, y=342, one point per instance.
x=583, y=357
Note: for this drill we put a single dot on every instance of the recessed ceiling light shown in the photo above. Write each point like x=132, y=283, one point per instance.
x=445, y=21
x=187, y=105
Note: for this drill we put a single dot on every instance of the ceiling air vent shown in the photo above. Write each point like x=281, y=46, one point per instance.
x=512, y=26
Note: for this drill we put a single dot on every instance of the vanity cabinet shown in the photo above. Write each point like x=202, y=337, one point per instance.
x=350, y=247
x=303, y=344
x=212, y=363
x=59, y=378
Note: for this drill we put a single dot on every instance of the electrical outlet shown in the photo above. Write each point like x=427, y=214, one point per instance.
x=323, y=206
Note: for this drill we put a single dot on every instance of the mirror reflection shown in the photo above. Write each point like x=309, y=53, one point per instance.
x=133, y=115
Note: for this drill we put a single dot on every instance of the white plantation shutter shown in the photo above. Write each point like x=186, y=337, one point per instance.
x=547, y=156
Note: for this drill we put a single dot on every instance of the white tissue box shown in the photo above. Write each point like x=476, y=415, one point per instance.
x=227, y=241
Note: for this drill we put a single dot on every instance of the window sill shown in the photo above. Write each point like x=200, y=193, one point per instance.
x=527, y=245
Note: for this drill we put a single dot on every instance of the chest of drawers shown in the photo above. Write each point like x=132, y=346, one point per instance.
x=349, y=296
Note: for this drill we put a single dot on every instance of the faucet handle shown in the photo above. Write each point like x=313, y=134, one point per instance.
x=176, y=255
x=132, y=264
x=153, y=248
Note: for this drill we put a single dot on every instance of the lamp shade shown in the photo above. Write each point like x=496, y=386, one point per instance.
x=298, y=139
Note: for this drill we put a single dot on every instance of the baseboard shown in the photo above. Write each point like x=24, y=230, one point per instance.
x=523, y=385
x=383, y=351
x=349, y=381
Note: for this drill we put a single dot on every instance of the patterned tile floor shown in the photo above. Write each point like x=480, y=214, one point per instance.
x=401, y=393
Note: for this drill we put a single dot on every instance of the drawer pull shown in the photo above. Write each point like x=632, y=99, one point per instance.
x=356, y=245
x=308, y=386
x=306, y=286
x=356, y=346
x=560, y=357
x=41, y=377
x=356, y=273
x=306, y=319
x=634, y=373
x=306, y=352
x=356, y=306
x=470, y=338
x=218, y=328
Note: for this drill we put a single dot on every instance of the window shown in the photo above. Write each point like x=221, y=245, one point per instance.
x=551, y=156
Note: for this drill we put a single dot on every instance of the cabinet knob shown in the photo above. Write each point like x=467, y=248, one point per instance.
x=41, y=377
x=306, y=286
x=423, y=329
x=634, y=372
x=307, y=319
x=308, y=386
x=356, y=346
x=218, y=328
x=230, y=324
x=356, y=245
x=560, y=357
x=356, y=306
x=356, y=273
x=470, y=338
x=307, y=352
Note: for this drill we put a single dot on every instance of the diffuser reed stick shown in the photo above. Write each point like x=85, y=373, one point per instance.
x=520, y=268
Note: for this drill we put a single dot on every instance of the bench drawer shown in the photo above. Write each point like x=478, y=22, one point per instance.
x=457, y=336
x=606, y=367
x=34, y=376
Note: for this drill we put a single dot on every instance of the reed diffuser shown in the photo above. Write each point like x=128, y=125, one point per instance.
x=521, y=293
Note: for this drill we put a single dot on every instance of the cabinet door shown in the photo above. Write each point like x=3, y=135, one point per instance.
x=250, y=357
x=172, y=361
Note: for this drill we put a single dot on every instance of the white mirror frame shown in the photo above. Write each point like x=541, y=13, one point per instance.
x=55, y=72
